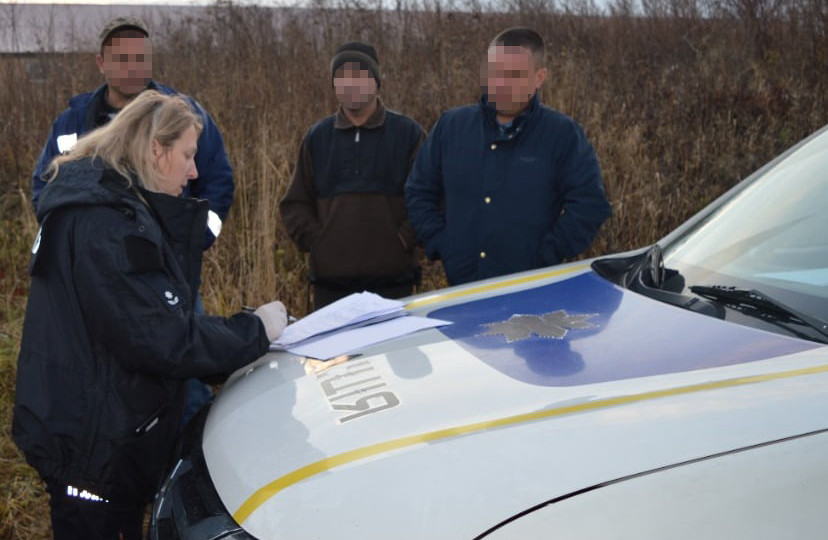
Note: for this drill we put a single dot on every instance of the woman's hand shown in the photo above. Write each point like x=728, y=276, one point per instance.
x=274, y=318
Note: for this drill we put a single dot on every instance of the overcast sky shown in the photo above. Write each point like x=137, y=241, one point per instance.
x=30, y=26
x=194, y=2
x=133, y=2
x=155, y=2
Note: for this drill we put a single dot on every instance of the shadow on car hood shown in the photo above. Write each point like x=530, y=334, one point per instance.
x=585, y=330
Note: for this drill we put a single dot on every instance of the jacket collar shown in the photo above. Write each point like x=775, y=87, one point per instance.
x=518, y=123
x=97, y=113
x=178, y=216
x=76, y=184
x=100, y=91
x=374, y=121
x=88, y=182
x=175, y=215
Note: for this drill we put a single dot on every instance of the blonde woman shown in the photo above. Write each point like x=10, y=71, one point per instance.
x=110, y=333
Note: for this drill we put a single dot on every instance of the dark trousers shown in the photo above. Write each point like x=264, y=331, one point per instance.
x=77, y=518
x=324, y=295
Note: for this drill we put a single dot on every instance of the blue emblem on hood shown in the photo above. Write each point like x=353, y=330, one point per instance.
x=586, y=330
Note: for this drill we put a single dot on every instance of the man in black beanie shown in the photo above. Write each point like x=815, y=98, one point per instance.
x=345, y=202
x=361, y=53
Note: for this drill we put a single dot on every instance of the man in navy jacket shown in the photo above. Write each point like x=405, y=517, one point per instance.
x=508, y=184
x=125, y=61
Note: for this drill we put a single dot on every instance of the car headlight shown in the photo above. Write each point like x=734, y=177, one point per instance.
x=187, y=506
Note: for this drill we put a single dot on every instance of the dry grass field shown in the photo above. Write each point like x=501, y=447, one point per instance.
x=680, y=104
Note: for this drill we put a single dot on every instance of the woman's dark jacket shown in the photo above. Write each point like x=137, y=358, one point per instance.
x=110, y=334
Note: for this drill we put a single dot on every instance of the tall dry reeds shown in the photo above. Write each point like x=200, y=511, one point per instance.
x=681, y=99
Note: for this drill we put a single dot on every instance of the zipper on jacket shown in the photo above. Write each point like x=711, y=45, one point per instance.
x=356, y=140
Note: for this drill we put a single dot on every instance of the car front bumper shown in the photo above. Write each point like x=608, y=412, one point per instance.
x=187, y=507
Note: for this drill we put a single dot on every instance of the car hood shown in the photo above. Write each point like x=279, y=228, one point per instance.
x=540, y=377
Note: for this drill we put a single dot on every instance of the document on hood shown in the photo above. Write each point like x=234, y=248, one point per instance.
x=342, y=342
x=345, y=322
x=355, y=309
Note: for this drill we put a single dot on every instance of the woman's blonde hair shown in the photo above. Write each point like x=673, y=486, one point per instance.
x=125, y=143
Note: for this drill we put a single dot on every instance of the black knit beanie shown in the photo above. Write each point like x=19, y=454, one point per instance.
x=355, y=51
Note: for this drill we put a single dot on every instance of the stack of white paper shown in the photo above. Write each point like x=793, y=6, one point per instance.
x=355, y=321
x=355, y=309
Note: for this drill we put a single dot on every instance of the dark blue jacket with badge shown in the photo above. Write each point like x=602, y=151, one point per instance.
x=110, y=334
x=491, y=201
x=215, y=175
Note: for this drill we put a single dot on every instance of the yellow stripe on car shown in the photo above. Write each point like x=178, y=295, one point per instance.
x=492, y=286
x=269, y=490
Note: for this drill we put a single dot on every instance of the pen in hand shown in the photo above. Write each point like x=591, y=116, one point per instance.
x=250, y=309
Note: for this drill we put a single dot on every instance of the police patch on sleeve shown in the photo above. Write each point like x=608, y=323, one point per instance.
x=169, y=294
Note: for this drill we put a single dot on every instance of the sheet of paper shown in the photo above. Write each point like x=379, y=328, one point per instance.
x=332, y=345
x=352, y=310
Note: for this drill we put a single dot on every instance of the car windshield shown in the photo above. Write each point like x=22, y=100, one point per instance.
x=770, y=236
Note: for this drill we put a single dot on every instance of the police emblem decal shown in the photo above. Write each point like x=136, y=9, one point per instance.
x=553, y=325
x=172, y=299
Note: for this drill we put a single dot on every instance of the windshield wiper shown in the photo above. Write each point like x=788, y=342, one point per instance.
x=760, y=301
x=645, y=273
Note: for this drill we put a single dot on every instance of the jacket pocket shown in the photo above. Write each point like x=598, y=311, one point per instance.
x=459, y=261
x=360, y=239
x=137, y=459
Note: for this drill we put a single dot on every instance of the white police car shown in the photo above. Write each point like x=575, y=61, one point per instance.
x=680, y=391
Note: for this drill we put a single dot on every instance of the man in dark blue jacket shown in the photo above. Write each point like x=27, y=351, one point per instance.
x=125, y=61
x=508, y=184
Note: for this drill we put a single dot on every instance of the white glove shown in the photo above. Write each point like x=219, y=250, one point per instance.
x=274, y=318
